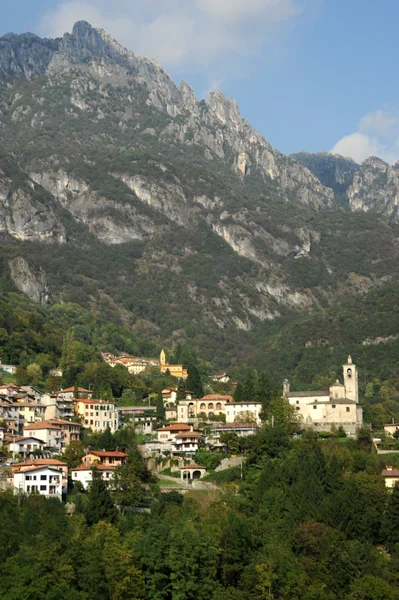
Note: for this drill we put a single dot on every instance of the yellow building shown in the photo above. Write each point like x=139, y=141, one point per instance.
x=175, y=370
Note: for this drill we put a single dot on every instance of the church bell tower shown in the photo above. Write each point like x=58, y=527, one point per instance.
x=350, y=381
x=163, y=358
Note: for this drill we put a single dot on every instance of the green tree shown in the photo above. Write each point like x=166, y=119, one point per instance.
x=181, y=390
x=160, y=408
x=391, y=520
x=127, y=487
x=250, y=386
x=194, y=382
x=99, y=506
x=74, y=452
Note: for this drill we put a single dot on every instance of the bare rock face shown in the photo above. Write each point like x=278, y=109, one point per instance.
x=24, y=217
x=31, y=282
x=332, y=170
x=375, y=188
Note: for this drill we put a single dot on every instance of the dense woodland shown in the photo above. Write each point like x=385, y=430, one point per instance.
x=309, y=520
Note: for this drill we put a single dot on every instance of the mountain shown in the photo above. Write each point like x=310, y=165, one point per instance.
x=334, y=171
x=171, y=216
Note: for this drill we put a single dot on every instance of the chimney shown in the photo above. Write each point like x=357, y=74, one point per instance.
x=191, y=427
x=286, y=388
x=389, y=467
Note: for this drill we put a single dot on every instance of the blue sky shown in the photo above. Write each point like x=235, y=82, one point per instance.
x=310, y=75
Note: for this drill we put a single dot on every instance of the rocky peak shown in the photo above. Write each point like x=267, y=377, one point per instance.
x=25, y=56
x=334, y=171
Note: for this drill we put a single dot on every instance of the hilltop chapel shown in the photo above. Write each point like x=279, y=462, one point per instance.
x=175, y=370
x=324, y=410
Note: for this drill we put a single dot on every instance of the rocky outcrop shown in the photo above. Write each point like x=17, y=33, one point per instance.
x=24, y=217
x=31, y=282
x=25, y=56
x=375, y=188
x=332, y=170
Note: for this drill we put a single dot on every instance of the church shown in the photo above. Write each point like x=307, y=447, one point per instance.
x=175, y=370
x=338, y=406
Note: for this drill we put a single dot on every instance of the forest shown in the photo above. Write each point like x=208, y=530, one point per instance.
x=309, y=520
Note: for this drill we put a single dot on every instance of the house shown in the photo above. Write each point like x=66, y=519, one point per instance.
x=51, y=434
x=237, y=412
x=43, y=480
x=338, y=406
x=44, y=462
x=97, y=414
x=169, y=395
x=84, y=474
x=391, y=476
x=11, y=369
x=33, y=393
x=70, y=393
x=174, y=370
x=25, y=445
x=391, y=428
x=222, y=378
x=169, y=432
x=57, y=407
x=72, y=431
x=171, y=413
x=187, y=442
x=210, y=405
x=31, y=412
x=133, y=365
x=143, y=418
x=113, y=458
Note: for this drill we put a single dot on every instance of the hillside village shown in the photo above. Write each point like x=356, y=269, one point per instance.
x=38, y=430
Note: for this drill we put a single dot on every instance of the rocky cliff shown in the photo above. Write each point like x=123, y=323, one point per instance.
x=173, y=213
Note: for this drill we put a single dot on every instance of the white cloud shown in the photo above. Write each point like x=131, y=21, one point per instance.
x=377, y=135
x=215, y=35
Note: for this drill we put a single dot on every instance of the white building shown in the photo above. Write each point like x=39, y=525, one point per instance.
x=391, y=477
x=391, y=428
x=46, y=481
x=26, y=445
x=51, y=435
x=339, y=406
x=97, y=414
x=238, y=412
x=187, y=443
x=84, y=473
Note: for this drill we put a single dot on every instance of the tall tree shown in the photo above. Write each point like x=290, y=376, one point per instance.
x=391, y=520
x=160, y=408
x=194, y=383
x=99, y=506
x=181, y=390
x=249, y=391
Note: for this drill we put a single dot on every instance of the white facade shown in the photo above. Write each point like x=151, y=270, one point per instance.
x=237, y=410
x=391, y=428
x=46, y=481
x=84, y=474
x=336, y=407
x=52, y=436
x=26, y=445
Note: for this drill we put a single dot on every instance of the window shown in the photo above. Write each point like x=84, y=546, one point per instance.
x=298, y=408
x=28, y=488
x=314, y=406
x=28, y=477
x=348, y=409
x=333, y=405
x=43, y=488
x=43, y=477
x=297, y=401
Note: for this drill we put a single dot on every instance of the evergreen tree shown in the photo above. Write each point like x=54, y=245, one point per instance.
x=194, y=383
x=99, y=506
x=181, y=390
x=238, y=393
x=160, y=408
x=107, y=440
x=391, y=520
x=249, y=390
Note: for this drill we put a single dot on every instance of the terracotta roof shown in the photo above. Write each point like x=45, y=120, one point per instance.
x=249, y=403
x=64, y=422
x=390, y=473
x=96, y=466
x=192, y=466
x=92, y=401
x=111, y=453
x=72, y=389
x=52, y=462
x=175, y=427
x=28, y=470
x=190, y=434
x=41, y=425
x=391, y=425
x=217, y=397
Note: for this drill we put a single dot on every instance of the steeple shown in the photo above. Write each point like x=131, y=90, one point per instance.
x=350, y=381
x=162, y=358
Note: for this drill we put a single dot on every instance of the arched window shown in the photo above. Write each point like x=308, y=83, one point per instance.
x=210, y=405
x=218, y=406
x=202, y=406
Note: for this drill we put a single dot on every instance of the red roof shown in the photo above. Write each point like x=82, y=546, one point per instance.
x=51, y=462
x=390, y=473
x=64, y=422
x=72, y=389
x=92, y=401
x=218, y=397
x=95, y=466
x=42, y=425
x=21, y=439
x=111, y=453
x=175, y=427
x=190, y=434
